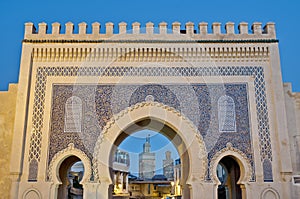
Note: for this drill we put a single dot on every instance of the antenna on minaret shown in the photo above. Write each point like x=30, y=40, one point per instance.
x=148, y=138
x=147, y=146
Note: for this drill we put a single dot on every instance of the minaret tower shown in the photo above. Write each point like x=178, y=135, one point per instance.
x=146, y=161
x=168, y=166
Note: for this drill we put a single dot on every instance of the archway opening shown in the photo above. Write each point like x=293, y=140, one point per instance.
x=155, y=159
x=228, y=172
x=71, y=172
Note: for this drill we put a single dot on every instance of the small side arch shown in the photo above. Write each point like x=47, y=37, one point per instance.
x=55, y=164
x=238, y=156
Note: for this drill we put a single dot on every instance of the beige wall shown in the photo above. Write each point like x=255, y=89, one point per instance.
x=7, y=117
x=293, y=113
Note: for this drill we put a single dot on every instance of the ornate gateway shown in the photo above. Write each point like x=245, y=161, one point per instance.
x=220, y=94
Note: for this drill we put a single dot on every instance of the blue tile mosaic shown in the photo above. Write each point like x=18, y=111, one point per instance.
x=207, y=114
x=101, y=104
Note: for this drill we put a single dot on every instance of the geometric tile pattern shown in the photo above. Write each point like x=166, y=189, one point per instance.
x=255, y=71
x=226, y=114
x=198, y=102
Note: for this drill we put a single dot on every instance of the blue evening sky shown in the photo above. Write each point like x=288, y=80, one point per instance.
x=14, y=14
x=159, y=145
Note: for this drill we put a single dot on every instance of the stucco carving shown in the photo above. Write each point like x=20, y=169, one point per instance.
x=269, y=193
x=61, y=156
x=202, y=153
x=32, y=194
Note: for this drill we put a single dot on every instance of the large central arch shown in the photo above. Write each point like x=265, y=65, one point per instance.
x=192, y=147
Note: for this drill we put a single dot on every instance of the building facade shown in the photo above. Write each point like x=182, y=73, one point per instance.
x=120, y=172
x=218, y=96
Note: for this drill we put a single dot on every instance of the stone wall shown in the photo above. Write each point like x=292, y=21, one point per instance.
x=292, y=111
x=292, y=105
x=7, y=117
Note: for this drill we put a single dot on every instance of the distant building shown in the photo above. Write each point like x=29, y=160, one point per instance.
x=156, y=187
x=147, y=161
x=120, y=172
x=168, y=166
x=177, y=177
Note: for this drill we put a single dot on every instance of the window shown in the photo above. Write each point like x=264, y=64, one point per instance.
x=73, y=114
x=226, y=114
x=296, y=180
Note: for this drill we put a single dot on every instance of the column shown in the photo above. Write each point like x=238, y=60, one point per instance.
x=14, y=185
x=244, y=194
x=122, y=180
x=90, y=190
x=102, y=191
x=226, y=192
x=127, y=183
x=115, y=180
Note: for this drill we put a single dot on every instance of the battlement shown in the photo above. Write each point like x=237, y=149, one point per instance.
x=150, y=32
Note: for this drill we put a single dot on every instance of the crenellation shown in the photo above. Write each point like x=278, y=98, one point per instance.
x=203, y=28
x=256, y=28
x=163, y=28
x=216, y=28
x=82, y=28
x=149, y=28
x=55, y=28
x=122, y=28
x=96, y=28
x=189, y=26
x=42, y=28
x=136, y=28
x=69, y=28
x=243, y=28
x=176, y=27
x=229, y=28
x=109, y=28
x=176, y=34
x=270, y=29
x=29, y=29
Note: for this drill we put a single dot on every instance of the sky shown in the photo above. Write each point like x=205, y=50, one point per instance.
x=14, y=14
x=133, y=144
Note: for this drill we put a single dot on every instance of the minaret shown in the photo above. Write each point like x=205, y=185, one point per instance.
x=146, y=161
x=168, y=166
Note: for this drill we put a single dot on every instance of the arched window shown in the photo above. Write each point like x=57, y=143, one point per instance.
x=226, y=114
x=73, y=114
